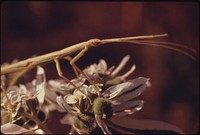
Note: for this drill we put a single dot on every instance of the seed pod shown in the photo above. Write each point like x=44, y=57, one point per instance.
x=32, y=104
x=84, y=122
x=103, y=107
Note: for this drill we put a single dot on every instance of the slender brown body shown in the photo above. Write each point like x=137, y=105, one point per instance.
x=30, y=63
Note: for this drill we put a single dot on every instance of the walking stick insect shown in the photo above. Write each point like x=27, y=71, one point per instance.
x=30, y=63
x=26, y=65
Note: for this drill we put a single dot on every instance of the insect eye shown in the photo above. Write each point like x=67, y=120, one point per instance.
x=103, y=107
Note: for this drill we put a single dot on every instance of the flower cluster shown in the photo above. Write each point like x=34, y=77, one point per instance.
x=18, y=101
x=99, y=98
x=106, y=97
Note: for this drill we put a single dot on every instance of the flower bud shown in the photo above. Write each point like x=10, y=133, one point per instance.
x=84, y=122
x=115, y=81
x=103, y=107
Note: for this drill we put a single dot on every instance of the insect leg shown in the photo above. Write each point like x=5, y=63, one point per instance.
x=66, y=79
x=76, y=58
x=56, y=60
x=75, y=67
x=72, y=63
x=16, y=77
x=75, y=70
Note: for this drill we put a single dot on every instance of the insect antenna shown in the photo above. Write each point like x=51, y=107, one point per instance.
x=125, y=39
x=171, y=44
x=141, y=40
x=167, y=45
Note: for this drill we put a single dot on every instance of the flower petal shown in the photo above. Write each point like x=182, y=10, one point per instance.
x=132, y=94
x=61, y=102
x=51, y=96
x=102, y=64
x=129, y=72
x=39, y=131
x=13, y=129
x=60, y=84
x=121, y=65
x=135, y=87
x=144, y=126
x=116, y=90
x=102, y=124
x=128, y=108
x=22, y=89
x=40, y=84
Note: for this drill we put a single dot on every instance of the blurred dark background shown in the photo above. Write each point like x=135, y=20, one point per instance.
x=35, y=28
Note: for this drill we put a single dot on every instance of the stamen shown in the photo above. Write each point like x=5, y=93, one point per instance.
x=121, y=65
x=129, y=72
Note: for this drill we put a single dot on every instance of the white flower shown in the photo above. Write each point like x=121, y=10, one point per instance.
x=24, y=96
x=18, y=97
x=78, y=105
x=103, y=105
x=60, y=86
x=72, y=99
x=121, y=97
x=117, y=101
x=117, y=98
x=95, y=71
x=100, y=73
x=76, y=97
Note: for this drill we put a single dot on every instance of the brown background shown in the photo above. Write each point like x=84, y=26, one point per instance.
x=34, y=28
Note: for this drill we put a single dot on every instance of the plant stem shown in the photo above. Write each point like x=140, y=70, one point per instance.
x=38, y=122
